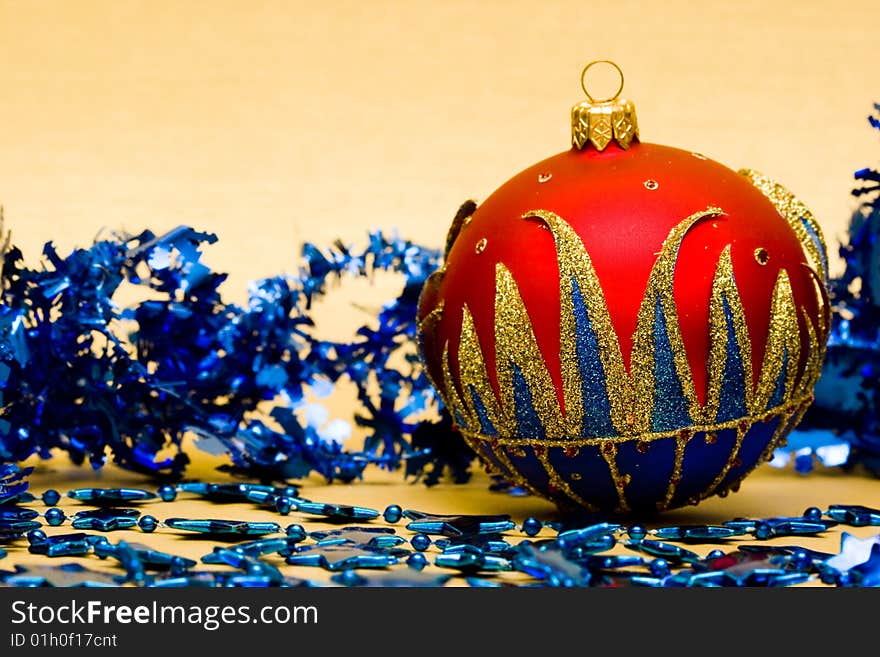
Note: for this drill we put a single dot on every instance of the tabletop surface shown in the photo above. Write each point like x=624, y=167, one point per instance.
x=767, y=492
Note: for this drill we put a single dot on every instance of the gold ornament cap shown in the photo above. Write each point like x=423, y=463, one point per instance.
x=599, y=121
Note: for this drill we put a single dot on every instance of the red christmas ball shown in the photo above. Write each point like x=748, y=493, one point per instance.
x=627, y=325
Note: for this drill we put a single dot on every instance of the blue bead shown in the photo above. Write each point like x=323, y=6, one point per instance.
x=36, y=535
x=828, y=576
x=349, y=577
x=51, y=497
x=296, y=532
x=715, y=554
x=801, y=560
x=637, y=532
x=283, y=505
x=393, y=513
x=417, y=561
x=659, y=567
x=763, y=530
x=147, y=523
x=813, y=513
x=178, y=565
x=55, y=516
x=420, y=542
x=167, y=492
x=531, y=526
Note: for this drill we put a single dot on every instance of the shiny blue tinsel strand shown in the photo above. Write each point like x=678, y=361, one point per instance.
x=80, y=373
x=842, y=427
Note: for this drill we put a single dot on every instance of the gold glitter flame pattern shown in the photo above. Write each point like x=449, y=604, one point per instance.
x=782, y=388
x=632, y=396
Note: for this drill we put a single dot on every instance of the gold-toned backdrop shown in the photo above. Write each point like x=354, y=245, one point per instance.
x=272, y=123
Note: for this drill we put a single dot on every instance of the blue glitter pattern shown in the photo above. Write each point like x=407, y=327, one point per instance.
x=670, y=406
x=597, y=409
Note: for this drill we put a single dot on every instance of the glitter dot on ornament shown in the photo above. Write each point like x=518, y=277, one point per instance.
x=761, y=256
x=617, y=350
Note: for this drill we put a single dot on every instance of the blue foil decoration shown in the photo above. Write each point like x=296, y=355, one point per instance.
x=72, y=378
x=106, y=519
x=13, y=481
x=847, y=403
x=343, y=557
x=69, y=575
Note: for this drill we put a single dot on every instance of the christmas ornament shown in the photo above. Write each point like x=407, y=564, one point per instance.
x=625, y=325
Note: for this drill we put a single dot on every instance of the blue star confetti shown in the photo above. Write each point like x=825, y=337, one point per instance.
x=847, y=396
x=63, y=545
x=106, y=519
x=551, y=567
x=488, y=543
x=395, y=578
x=149, y=558
x=261, y=547
x=342, y=557
x=13, y=480
x=777, y=527
x=854, y=552
x=69, y=575
x=250, y=565
x=369, y=537
x=472, y=560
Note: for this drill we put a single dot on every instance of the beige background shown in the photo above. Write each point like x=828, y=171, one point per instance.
x=277, y=122
x=271, y=123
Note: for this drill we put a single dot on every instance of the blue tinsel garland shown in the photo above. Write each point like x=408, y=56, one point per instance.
x=72, y=376
x=843, y=425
